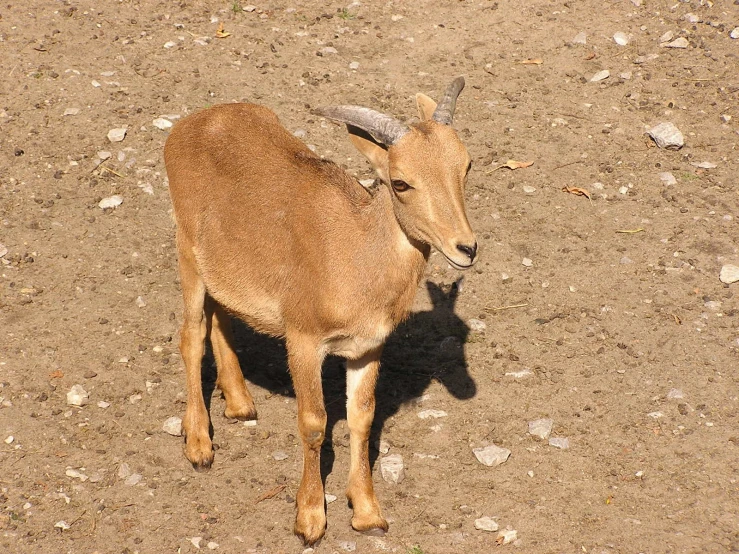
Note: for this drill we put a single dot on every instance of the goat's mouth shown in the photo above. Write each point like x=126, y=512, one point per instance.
x=457, y=265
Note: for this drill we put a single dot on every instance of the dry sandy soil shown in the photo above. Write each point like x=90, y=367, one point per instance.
x=620, y=305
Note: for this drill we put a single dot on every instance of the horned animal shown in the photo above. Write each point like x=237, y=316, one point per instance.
x=270, y=232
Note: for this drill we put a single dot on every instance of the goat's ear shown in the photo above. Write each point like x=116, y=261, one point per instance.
x=426, y=106
x=372, y=150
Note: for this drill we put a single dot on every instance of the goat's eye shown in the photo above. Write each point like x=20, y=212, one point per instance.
x=400, y=186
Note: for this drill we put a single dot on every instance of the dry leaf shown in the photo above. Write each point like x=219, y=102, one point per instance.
x=534, y=61
x=630, y=231
x=578, y=191
x=513, y=164
x=220, y=33
x=270, y=493
x=58, y=374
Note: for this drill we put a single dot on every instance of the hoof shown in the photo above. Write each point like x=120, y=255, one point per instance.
x=242, y=413
x=373, y=525
x=310, y=528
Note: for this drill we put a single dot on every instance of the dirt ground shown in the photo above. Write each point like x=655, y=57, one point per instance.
x=604, y=314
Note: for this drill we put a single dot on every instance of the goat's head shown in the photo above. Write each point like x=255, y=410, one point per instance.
x=426, y=167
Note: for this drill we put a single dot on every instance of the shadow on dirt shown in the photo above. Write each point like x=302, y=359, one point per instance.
x=427, y=347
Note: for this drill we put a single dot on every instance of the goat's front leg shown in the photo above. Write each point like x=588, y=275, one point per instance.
x=361, y=378
x=305, y=360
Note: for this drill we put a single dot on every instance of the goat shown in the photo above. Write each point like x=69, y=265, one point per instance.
x=288, y=242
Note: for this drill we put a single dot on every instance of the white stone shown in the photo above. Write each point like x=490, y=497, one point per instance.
x=77, y=396
x=529, y=189
x=329, y=498
x=667, y=37
x=507, y=536
x=675, y=394
x=691, y=18
x=541, y=428
x=3, y=250
x=117, y=135
x=667, y=135
x=196, y=541
x=9, y=439
x=477, y=325
x=249, y=8
x=71, y=111
x=392, y=468
x=63, y=525
x=667, y=178
x=600, y=76
x=162, y=124
x=432, y=414
x=103, y=404
x=383, y=446
x=559, y=442
x=637, y=3
x=95, y=84
x=140, y=302
x=74, y=474
x=527, y=262
x=212, y=545
x=133, y=479
x=704, y=165
x=620, y=38
x=725, y=118
x=202, y=41
x=279, y=455
x=729, y=274
x=124, y=470
x=681, y=42
x=491, y=455
x=655, y=415
x=348, y=546
x=326, y=50
x=486, y=524
x=580, y=38
x=104, y=155
x=170, y=44
x=354, y=66
x=734, y=33
x=173, y=426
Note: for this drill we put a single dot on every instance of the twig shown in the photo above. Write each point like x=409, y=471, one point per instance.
x=570, y=163
x=499, y=308
x=103, y=168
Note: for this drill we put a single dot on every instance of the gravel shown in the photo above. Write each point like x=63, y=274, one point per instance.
x=491, y=455
x=117, y=135
x=392, y=468
x=77, y=396
x=667, y=136
x=729, y=274
x=486, y=524
x=173, y=426
x=541, y=428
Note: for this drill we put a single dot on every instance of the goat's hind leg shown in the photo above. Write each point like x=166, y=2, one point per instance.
x=239, y=403
x=198, y=446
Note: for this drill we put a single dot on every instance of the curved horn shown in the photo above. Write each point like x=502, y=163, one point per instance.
x=444, y=112
x=383, y=128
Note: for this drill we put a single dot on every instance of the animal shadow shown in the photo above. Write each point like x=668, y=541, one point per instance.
x=427, y=347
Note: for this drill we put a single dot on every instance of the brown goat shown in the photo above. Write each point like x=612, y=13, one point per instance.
x=298, y=249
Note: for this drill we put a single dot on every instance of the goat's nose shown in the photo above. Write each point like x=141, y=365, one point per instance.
x=470, y=251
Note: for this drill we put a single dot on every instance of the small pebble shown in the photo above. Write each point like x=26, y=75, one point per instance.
x=600, y=76
x=249, y=8
x=63, y=525
x=622, y=39
x=486, y=524
x=212, y=545
x=729, y=274
x=519, y=374
x=3, y=250
x=279, y=455
x=104, y=155
x=10, y=439
x=103, y=404
x=432, y=414
x=170, y=44
x=329, y=498
x=734, y=33
x=626, y=75
x=667, y=135
x=71, y=111
x=124, y=470
x=681, y=42
x=392, y=468
x=541, y=428
x=529, y=189
x=580, y=38
x=74, y=474
x=133, y=479
x=704, y=165
x=117, y=135
x=77, y=396
x=559, y=442
x=162, y=124
x=348, y=546
x=354, y=66
x=667, y=178
x=667, y=37
x=507, y=536
x=326, y=50
x=491, y=455
x=111, y=202
x=196, y=541
x=383, y=446
x=691, y=18
x=526, y=262
x=140, y=302
x=477, y=325
x=173, y=426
